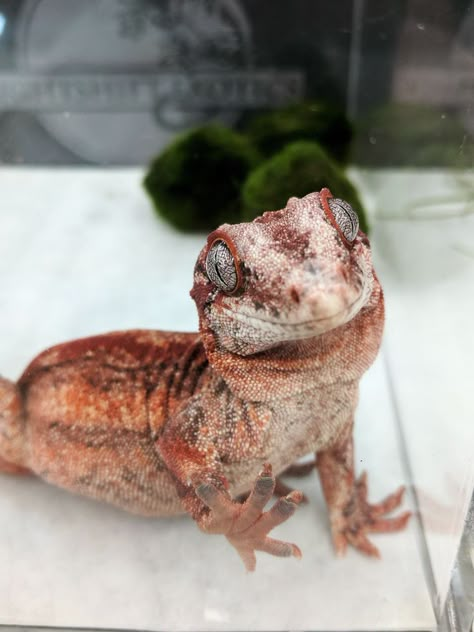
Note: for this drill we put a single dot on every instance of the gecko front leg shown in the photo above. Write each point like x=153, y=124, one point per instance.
x=352, y=517
x=192, y=459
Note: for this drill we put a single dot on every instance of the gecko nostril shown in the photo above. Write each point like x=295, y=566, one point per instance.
x=295, y=297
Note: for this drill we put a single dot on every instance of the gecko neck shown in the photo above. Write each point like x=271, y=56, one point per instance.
x=340, y=355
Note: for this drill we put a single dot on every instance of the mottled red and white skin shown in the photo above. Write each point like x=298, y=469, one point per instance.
x=157, y=423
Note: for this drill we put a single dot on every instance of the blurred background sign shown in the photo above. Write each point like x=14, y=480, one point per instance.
x=113, y=81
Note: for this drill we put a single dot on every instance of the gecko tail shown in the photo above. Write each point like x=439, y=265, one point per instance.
x=12, y=429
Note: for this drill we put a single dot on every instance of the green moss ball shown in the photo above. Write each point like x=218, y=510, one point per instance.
x=297, y=170
x=316, y=121
x=195, y=183
x=410, y=135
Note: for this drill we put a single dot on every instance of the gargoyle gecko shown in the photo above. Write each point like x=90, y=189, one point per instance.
x=157, y=423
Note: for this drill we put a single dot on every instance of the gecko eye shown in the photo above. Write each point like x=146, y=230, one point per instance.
x=220, y=266
x=345, y=218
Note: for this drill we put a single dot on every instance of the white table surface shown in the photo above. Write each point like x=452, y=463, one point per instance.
x=81, y=252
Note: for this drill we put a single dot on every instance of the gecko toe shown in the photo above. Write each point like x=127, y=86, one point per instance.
x=386, y=525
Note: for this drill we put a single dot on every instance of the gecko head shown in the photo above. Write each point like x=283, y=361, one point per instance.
x=289, y=275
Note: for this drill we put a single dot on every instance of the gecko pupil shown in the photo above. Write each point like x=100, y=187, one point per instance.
x=220, y=267
x=346, y=218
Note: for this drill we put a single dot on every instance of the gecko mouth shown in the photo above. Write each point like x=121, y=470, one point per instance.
x=302, y=329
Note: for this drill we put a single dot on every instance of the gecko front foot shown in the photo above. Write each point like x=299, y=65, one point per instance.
x=246, y=525
x=358, y=518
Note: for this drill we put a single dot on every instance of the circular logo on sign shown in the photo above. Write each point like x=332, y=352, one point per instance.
x=133, y=62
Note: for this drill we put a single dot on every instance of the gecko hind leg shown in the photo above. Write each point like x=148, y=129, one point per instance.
x=299, y=470
x=296, y=470
x=282, y=489
x=246, y=525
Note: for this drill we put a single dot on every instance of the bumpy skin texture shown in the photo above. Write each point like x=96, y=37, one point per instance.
x=160, y=423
